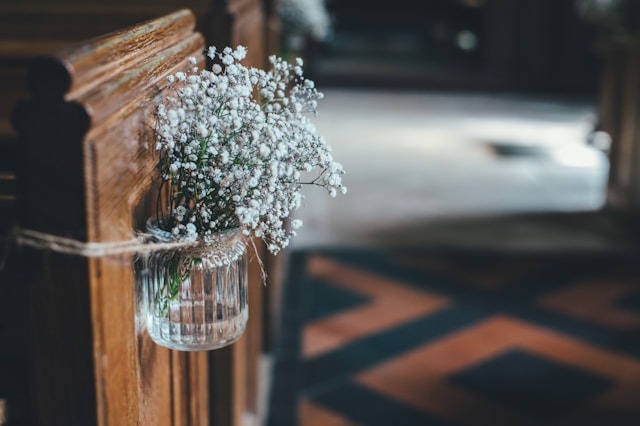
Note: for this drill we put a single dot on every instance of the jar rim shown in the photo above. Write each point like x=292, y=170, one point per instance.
x=163, y=235
x=221, y=248
x=230, y=240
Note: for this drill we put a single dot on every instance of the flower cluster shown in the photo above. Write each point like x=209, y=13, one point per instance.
x=306, y=17
x=237, y=146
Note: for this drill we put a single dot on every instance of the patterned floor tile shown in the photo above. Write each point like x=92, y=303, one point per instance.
x=486, y=274
x=391, y=303
x=379, y=338
x=422, y=377
x=543, y=389
x=314, y=415
x=330, y=299
x=370, y=408
x=600, y=301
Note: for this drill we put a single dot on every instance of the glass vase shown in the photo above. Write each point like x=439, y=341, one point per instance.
x=196, y=298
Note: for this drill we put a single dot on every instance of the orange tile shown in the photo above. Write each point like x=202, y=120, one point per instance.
x=358, y=280
x=419, y=377
x=594, y=301
x=311, y=414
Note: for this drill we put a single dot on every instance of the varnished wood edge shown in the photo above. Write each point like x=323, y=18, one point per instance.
x=111, y=91
x=91, y=62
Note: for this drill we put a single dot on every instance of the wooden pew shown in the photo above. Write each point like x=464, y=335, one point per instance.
x=86, y=170
x=30, y=28
x=619, y=109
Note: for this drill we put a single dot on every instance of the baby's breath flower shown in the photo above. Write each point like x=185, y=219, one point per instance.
x=240, y=53
x=234, y=160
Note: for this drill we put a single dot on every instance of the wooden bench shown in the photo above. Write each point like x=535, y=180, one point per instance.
x=86, y=169
x=31, y=28
x=619, y=109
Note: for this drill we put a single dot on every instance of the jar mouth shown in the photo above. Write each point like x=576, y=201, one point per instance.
x=165, y=236
x=220, y=249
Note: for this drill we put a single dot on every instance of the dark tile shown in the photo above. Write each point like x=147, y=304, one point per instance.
x=630, y=302
x=364, y=353
x=543, y=389
x=329, y=299
x=369, y=408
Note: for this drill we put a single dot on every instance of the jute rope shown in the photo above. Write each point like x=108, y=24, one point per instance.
x=139, y=244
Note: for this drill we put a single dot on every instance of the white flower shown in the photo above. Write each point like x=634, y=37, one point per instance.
x=264, y=150
x=232, y=160
x=227, y=59
x=172, y=116
x=232, y=69
x=240, y=53
x=202, y=130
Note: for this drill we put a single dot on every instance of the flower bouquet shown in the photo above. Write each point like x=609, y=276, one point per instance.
x=236, y=147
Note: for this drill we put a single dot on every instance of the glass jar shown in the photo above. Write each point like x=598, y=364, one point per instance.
x=195, y=298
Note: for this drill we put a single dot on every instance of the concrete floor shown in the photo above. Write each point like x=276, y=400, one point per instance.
x=434, y=169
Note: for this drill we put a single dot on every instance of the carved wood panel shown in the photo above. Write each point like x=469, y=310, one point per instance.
x=86, y=170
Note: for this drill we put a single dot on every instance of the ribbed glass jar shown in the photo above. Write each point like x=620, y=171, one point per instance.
x=196, y=297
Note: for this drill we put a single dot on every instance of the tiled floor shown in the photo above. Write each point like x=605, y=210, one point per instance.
x=419, y=339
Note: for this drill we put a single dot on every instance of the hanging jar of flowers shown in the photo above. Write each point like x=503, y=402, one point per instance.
x=236, y=147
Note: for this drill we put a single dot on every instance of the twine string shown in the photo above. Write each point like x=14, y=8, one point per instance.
x=140, y=243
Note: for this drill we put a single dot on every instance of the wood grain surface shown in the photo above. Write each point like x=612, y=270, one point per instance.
x=85, y=169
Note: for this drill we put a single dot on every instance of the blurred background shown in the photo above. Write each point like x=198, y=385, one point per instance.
x=483, y=267
x=456, y=109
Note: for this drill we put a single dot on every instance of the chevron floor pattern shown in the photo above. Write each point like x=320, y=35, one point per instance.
x=385, y=338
